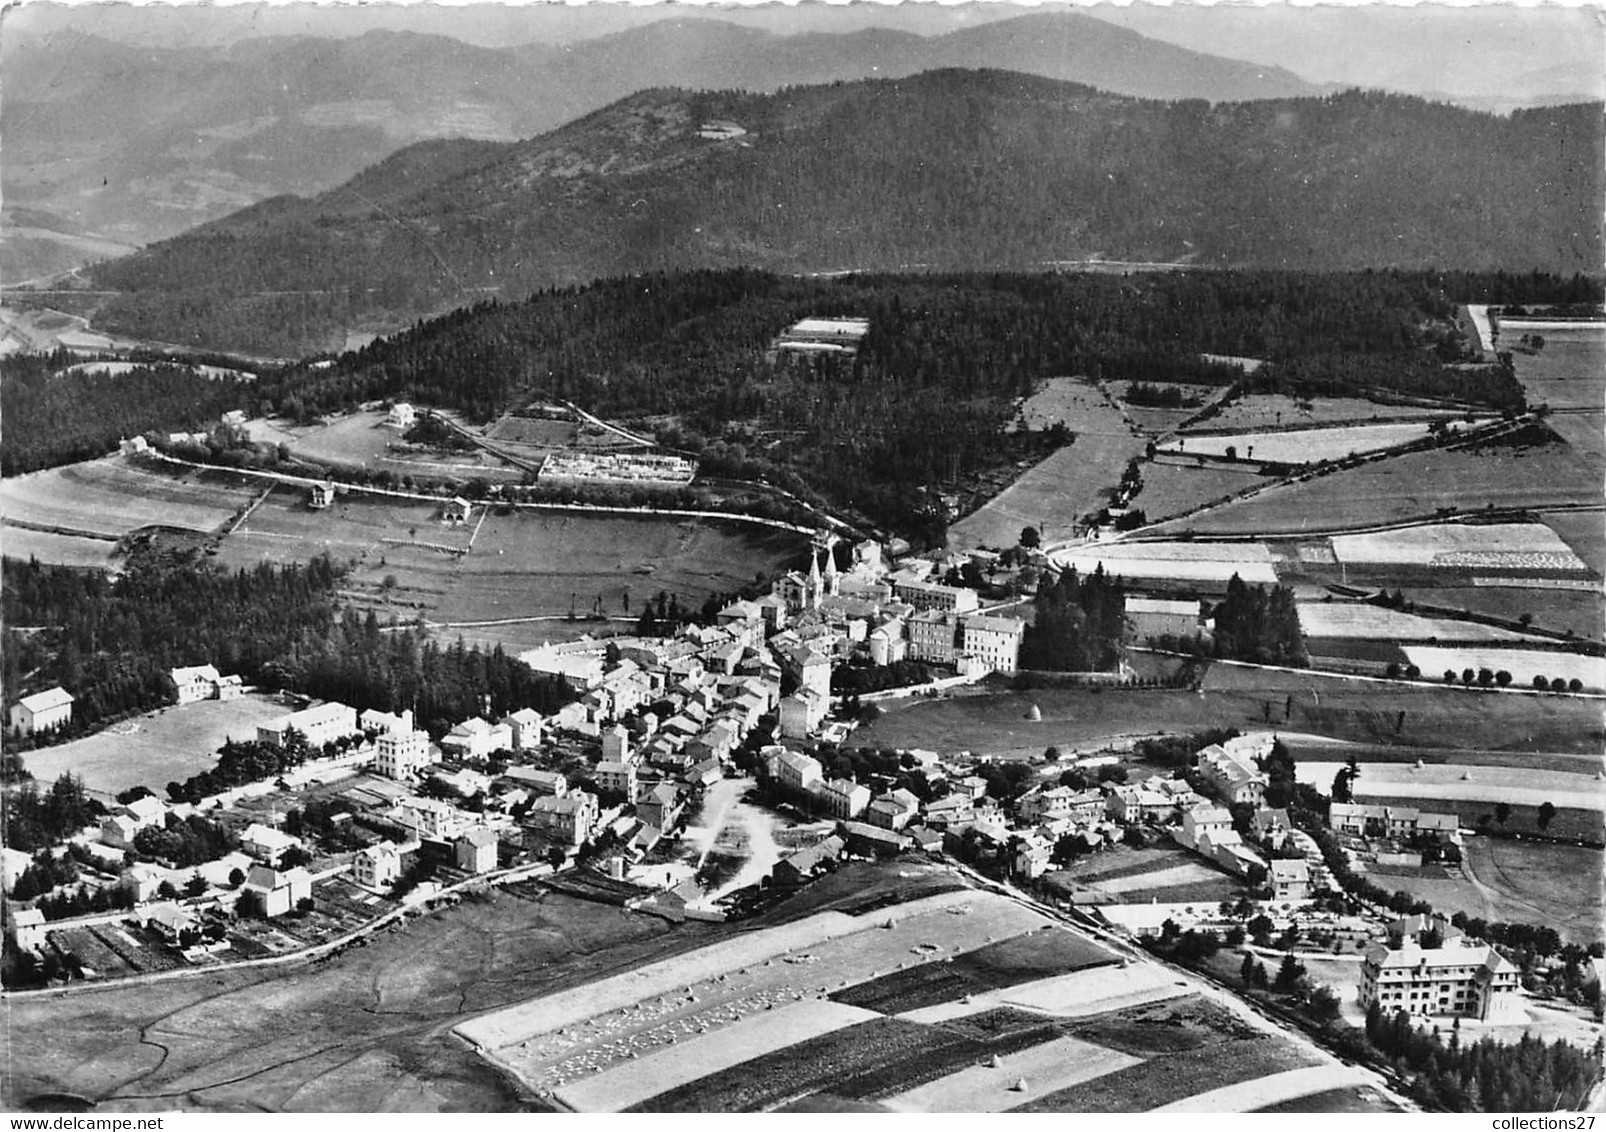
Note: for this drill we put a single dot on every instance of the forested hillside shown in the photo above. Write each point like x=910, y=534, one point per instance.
x=945, y=170
x=927, y=398
x=111, y=642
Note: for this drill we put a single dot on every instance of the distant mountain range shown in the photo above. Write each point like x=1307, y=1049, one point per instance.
x=131, y=143
x=944, y=170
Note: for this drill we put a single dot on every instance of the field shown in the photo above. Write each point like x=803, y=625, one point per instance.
x=1165, y=873
x=1195, y=561
x=1299, y=446
x=944, y=1003
x=1358, y=620
x=1056, y=493
x=1584, y=432
x=1523, y=664
x=1154, y=421
x=155, y=749
x=1584, y=532
x=1253, y=412
x=1414, y=486
x=1172, y=488
x=1492, y=546
x=364, y=1033
x=1519, y=881
x=363, y=440
x=1557, y=610
x=1455, y=782
x=66, y=550
x=1569, y=372
x=113, y=496
x=528, y=567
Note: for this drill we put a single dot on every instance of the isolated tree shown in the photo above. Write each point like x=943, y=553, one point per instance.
x=1289, y=973
x=1502, y=812
x=1547, y=814
x=236, y=878
x=1031, y=538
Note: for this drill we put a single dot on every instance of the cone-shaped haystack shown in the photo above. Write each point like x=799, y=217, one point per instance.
x=1019, y=1086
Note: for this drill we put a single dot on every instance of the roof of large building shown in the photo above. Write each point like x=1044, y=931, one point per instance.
x=44, y=701
x=981, y=622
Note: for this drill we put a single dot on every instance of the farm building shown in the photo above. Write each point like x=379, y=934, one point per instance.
x=457, y=510
x=269, y=893
x=195, y=684
x=476, y=850
x=402, y=415
x=42, y=711
x=134, y=446
x=323, y=494
x=1159, y=617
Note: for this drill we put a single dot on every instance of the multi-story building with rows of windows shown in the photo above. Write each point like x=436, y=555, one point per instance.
x=1455, y=977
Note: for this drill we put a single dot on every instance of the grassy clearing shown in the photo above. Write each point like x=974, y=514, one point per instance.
x=1414, y=486
x=66, y=550
x=113, y=496
x=1585, y=533
x=1172, y=488
x=1584, y=432
x=1349, y=619
x=1519, y=881
x=1300, y=446
x=1255, y=411
x=363, y=440
x=1234, y=697
x=1053, y=495
x=157, y=748
x=1570, y=372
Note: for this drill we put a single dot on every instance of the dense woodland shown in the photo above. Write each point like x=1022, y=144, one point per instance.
x=1079, y=625
x=60, y=418
x=687, y=355
x=111, y=642
x=949, y=170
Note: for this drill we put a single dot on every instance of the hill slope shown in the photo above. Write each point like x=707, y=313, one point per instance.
x=137, y=143
x=953, y=170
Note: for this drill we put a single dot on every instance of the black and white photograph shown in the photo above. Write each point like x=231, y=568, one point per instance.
x=802, y=557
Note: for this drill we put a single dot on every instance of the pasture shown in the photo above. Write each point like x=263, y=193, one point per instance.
x=1170, y=488
x=1462, y=782
x=1245, y=698
x=1253, y=412
x=1523, y=664
x=1584, y=532
x=1521, y=881
x=162, y=746
x=1584, y=432
x=1417, y=485
x=1056, y=493
x=1299, y=446
x=1569, y=372
x=363, y=440
x=1576, y=611
x=113, y=496
x=65, y=550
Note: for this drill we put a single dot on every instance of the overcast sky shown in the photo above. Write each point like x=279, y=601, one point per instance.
x=1478, y=50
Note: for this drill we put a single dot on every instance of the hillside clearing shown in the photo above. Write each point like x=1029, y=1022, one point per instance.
x=114, y=495
x=1299, y=446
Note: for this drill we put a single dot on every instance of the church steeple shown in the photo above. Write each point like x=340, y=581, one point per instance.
x=811, y=592
x=833, y=579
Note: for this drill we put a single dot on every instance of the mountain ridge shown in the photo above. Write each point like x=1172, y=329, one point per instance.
x=951, y=169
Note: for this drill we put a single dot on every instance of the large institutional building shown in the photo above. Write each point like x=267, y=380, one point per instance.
x=1456, y=977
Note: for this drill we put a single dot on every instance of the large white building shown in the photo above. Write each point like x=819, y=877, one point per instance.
x=401, y=754
x=319, y=725
x=42, y=711
x=1455, y=978
x=994, y=641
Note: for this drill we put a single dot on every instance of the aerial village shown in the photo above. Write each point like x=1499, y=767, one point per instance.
x=377, y=819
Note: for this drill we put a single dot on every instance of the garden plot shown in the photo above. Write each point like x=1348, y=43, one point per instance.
x=1300, y=446
x=1192, y=561
x=1095, y=990
x=991, y=1087
x=113, y=496
x=1356, y=620
x=553, y=1042
x=1523, y=664
x=631, y=1082
x=1452, y=782
x=1491, y=546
